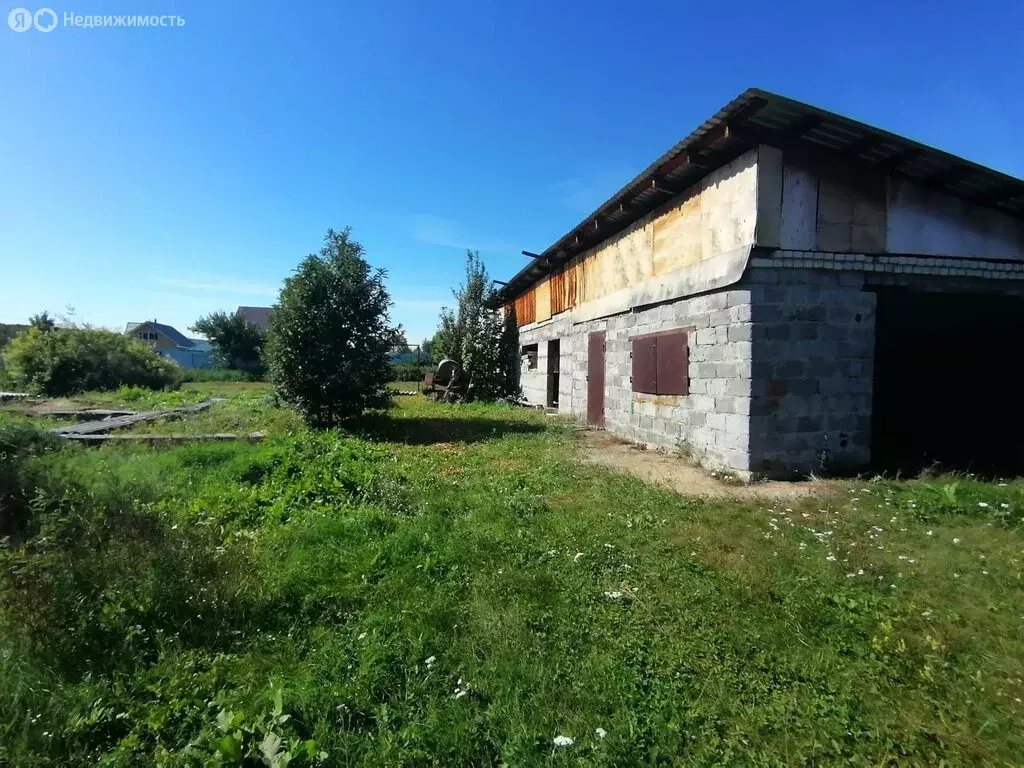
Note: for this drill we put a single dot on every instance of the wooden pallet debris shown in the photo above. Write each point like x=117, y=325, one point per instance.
x=120, y=422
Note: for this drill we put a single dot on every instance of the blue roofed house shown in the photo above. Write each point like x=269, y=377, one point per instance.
x=171, y=343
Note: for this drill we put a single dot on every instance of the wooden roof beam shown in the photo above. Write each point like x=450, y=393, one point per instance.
x=904, y=156
x=999, y=194
x=948, y=176
x=864, y=143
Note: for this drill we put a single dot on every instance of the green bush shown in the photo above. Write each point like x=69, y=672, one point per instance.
x=410, y=371
x=327, y=352
x=219, y=374
x=18, y=442
x=61, y=362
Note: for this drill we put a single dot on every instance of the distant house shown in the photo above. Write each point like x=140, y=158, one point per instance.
x=171, y=343
x=258, y=316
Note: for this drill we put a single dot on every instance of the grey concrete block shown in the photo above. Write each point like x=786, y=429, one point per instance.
x=740, y=332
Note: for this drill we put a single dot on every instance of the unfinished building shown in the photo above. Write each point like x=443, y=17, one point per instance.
x=787, y=290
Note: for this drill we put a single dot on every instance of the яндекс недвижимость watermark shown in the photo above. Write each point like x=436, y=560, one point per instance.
x=47, y=20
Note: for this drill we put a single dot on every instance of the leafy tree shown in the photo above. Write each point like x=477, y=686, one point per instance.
x=476, y=336
x=401, y=346
x=42, y=321
x=236, y=342
x=64, y=361
x=327, y=352
x=427, y=350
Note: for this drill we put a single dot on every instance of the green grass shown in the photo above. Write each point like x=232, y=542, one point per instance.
x=448, y=585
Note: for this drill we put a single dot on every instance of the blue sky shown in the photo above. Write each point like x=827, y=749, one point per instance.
x=170, y=172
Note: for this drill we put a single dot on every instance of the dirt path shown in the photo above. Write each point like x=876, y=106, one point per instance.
x=673, y=472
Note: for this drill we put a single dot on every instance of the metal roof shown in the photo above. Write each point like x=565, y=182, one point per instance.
x=169, y=331
x=760, y=117
x=258, y=316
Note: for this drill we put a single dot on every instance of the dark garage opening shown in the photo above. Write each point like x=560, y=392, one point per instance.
x=947, y=382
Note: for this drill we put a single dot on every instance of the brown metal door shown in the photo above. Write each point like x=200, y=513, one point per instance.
x=595, y=379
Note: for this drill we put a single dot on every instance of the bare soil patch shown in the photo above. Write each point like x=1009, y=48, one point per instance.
x=674, y=472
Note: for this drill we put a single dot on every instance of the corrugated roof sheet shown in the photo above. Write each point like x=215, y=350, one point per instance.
x=760, y=117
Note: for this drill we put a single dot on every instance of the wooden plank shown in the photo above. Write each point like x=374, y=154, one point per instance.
x=120, y=422
x=86, y=414
x=252, y=437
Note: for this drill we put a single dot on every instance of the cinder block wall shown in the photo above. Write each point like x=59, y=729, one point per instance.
x=812, y=369
x=711, y=423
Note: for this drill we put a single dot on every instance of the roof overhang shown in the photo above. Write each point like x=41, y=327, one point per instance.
x=760, y=117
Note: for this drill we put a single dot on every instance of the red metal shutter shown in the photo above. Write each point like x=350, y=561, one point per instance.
x=645, y=364
x=673, y=364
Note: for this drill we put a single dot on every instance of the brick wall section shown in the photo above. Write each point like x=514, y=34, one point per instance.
x=813, y=346
x=712, y=422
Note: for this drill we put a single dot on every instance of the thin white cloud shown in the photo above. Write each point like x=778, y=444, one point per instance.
x=222, y=284
x=438, y=230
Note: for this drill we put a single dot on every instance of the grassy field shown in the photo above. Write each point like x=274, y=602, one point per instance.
x=450, y=585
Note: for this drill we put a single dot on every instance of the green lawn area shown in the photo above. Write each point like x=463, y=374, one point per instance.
x=450, y=585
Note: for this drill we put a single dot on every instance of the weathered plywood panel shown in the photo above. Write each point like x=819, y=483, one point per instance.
x=543, y=300
x=717, y=216
x=851, y=211
x=835, y=216
x=714, y=218
x=769, y=196
x=799, y=207
x=933, y=223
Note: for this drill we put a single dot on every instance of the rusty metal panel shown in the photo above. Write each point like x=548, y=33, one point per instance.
x=526, y=308
x=673, y=363
x=645, y=364
x=595, y=379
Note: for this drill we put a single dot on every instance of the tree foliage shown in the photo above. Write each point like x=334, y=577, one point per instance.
x=43, y=321
x=63, y=361
x=237, y=342
x=327, y=351
x=476, y=336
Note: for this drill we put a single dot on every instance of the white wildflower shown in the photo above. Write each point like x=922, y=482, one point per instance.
x=926, y=614
x=600, y=733
x=459, y=694
x=956, y=541
x=831, y=558
x=1004, y=505
x=563, y=741
x=362, y=636
x=430, y=661
x=929, y=533
x=983, y=504
x=613, y=595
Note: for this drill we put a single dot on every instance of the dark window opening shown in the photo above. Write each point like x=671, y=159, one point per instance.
x=661, y=363
x=529, y=354
x=554, y=365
